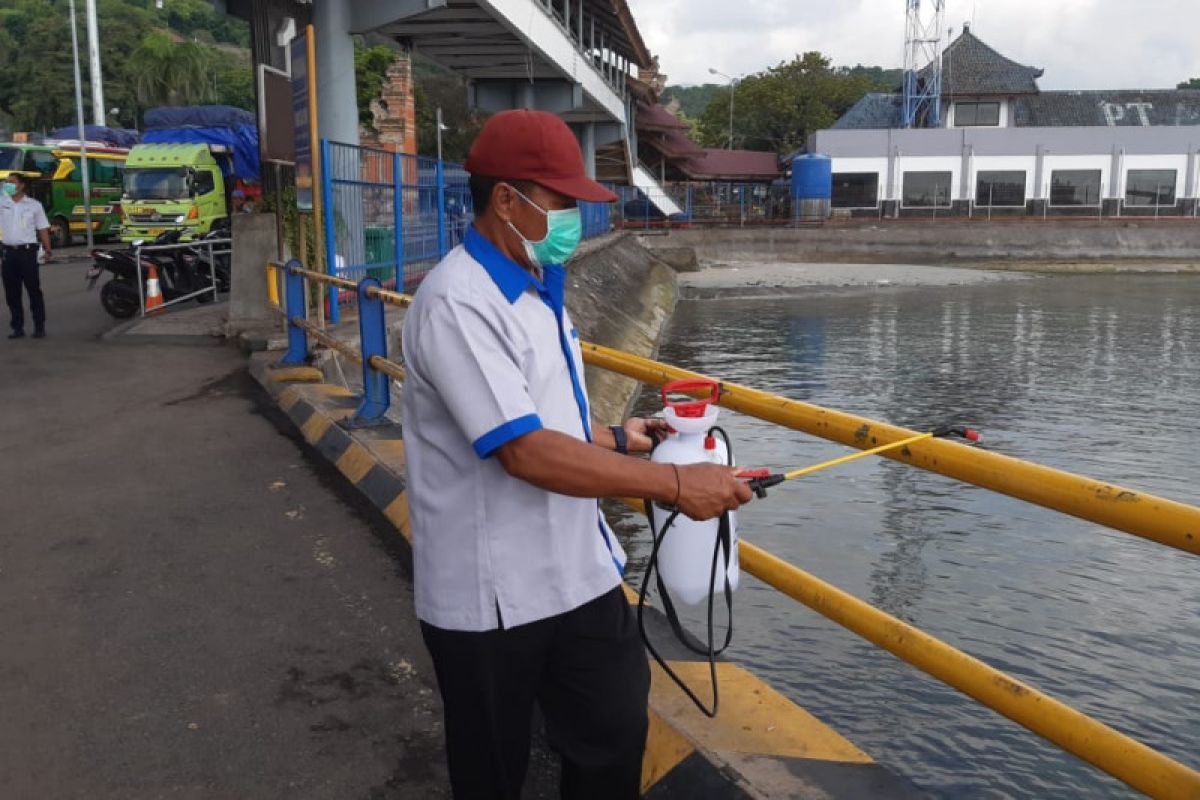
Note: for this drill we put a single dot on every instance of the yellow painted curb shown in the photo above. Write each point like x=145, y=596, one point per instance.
x=296, y=375
x=356, y=462
x=753, y=718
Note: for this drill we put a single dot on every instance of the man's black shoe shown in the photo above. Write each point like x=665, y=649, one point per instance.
x=39, y=334
x=17, y=335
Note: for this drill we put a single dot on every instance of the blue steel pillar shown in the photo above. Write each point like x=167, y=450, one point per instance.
x=441, y=209
x=294, y=306
x=332, y=292
x=372, y=330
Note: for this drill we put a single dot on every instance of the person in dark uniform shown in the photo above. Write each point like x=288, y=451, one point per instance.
x=22, y=224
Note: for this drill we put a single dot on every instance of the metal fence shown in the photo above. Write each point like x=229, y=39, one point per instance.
x=392, y=216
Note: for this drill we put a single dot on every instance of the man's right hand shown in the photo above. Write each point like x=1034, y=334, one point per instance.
x=709, y=490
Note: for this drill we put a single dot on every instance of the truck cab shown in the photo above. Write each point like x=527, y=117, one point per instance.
x=174, y=186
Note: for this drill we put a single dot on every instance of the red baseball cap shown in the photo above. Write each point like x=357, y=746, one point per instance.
x=534, y=146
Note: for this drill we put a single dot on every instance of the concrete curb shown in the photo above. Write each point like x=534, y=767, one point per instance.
x=761, y=745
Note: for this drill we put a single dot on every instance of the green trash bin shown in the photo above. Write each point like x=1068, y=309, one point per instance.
x=380, y=249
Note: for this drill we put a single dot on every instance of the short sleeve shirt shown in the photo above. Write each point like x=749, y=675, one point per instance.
x=491, y=355
x=20, y=222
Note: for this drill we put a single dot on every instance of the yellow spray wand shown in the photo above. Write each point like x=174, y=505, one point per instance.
x=761, y=480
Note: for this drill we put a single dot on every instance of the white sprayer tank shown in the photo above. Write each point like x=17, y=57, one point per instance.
x=686, y=554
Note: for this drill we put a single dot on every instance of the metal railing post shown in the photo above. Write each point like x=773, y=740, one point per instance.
x=372, y=330
x=441, y=209
x=294, y=306
x=330, y=236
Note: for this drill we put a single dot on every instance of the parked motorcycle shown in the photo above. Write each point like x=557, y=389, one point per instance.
x=180, y=271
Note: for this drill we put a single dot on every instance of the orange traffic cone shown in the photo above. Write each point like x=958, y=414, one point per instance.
x=154, y=298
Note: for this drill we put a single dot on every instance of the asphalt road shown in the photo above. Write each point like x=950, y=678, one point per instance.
x=190, y=605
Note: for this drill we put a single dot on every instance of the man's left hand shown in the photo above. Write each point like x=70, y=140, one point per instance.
x=643, y=433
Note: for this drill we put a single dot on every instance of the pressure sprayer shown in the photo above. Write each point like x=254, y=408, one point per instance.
x=683, y=565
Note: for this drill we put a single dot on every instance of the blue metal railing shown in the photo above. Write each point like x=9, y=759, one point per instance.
x=392, y=216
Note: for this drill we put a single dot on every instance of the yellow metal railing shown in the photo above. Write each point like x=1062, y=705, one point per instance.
x=1164, y=521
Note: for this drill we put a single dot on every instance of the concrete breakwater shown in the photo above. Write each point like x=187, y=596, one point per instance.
x=620, y=295
x=1169, y=245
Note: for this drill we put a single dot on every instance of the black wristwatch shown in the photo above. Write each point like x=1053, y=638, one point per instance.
x=622, y=441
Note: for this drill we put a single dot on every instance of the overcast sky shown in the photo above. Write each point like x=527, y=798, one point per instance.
x=1082, y=44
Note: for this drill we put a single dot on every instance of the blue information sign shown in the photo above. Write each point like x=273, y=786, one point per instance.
x=304, y=156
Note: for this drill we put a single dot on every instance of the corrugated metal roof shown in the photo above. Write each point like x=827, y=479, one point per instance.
x=651, y=116
x=717, y=164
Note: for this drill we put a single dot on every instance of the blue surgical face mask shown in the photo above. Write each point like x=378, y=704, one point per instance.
x=564, y=231
x=10, y=189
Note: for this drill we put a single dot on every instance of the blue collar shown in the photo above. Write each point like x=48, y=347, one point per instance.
x=511, y=278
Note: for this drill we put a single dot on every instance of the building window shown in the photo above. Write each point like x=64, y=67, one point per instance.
x=981, y=114
x=1075, y=187
x=855, y=189
x=927, y=189
x=1000, y=188
x=1150, y=187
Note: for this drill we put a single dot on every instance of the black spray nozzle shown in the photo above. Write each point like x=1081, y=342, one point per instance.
x=760, y=480
x=961, y=431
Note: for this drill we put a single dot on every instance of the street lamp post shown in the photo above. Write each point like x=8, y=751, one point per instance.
x=732, y=85
x=83, y=156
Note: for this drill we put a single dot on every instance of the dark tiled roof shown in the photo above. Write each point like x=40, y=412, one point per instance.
x=970, y=67
x=1162, y=107
x=717, y=164
x=873, y=111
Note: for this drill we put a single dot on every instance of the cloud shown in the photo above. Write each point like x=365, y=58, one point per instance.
x=1082, y=44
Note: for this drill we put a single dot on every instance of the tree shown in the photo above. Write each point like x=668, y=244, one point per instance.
x=1194, y=83
x=448, y=92
x=165, y=72
x=692, y=99
x=777, y=109
x=370, y=72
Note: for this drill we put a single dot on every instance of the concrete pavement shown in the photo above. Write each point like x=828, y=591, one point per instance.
x=190, y=607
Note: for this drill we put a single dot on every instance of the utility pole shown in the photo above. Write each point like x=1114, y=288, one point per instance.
x=98, y=112
x=83, y=159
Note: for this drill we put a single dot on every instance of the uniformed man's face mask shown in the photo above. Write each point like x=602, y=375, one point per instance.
x=10, y=189
x=564, y=230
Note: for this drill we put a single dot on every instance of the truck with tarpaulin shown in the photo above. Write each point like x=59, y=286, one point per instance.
x=183, y=174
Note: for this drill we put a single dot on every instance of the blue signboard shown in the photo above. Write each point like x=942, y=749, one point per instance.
x=304, y=155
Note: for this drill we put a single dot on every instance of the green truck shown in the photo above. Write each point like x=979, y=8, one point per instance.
x=57, y=181
x=175, y=186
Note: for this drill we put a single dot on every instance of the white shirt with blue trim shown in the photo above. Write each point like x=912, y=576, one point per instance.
x=491, y=355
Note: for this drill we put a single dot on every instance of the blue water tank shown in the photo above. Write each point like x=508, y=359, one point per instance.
x=812, y=187
x=812, y=177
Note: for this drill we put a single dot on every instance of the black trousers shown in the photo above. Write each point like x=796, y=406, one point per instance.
x=21, y=269
x=587, y=670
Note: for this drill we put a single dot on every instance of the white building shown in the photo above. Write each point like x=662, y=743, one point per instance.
x=1008, y=148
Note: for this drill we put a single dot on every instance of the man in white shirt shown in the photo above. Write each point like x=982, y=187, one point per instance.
x=22, y=223
x=517, y=572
